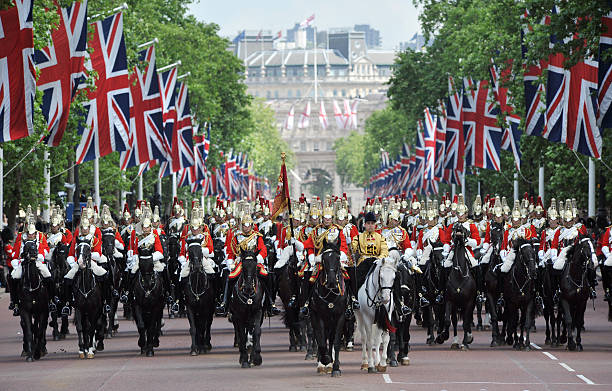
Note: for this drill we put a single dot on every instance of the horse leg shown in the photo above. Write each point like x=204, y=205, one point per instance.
x=336, y=372
x=361, y=326
x=494, y=320
x=453, y=314
x=192, y=330
x=55, y=326
x=479, y=326
x=385, y=337
x=428, y=316
x=392, y=346
x=242, y=336
x=468, y=317
x=78, y=322
x=579, y=320
x=443, y=334
x=142, y=337
x=256, y=350
x=529, y=319
x=571, y=344
x=151, y=330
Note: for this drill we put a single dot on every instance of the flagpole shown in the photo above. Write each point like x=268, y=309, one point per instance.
x=246, y=52
x=47, y=175
x=173, y=185
x=591, y=205
x=140, y=187
x=315, y=65
x=516, y=186
x=283, y=157
x=541, y=183
x=159, y=188
x=97, y=182
x=122, y=191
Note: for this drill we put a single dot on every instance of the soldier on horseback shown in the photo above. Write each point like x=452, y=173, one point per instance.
x=30, y=234
x=197, y=234
x=246, y=240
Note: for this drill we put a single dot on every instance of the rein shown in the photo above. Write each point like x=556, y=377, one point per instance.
x=527, y=273
x=372, y=301
x=82, y=287
x=584, y=268
x=246, y=299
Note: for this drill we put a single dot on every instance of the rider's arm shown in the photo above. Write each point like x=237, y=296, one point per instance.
x=119, y=245
x=262, y=251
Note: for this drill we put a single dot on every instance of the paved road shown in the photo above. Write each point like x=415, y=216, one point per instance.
x=120, y=366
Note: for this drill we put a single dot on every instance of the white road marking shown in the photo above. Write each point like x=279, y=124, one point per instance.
x=585, y=379
x=564, y=365
x=550, y=356
x=535, y=346
x=387, y=378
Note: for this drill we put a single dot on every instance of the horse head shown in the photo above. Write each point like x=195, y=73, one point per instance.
x=526, y=255
x=459, y=234
x=404, y=285
x=248, y=274
x=387, y=268
x=330, y=259
x=583, y=251
x=108, y=243
x=83, y=254
x=30, y=251
x=196, y=256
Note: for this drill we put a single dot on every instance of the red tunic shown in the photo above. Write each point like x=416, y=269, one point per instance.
x=43, y=247
x=96, y=246
x=157, y=245
x=474, y=234
x=310, y=247
x=208, y=245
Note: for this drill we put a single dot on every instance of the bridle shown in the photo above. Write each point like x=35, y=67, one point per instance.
x=82, y=289
x=334, y=294
x=376, y=299
x=244, y=298
x=529, y=278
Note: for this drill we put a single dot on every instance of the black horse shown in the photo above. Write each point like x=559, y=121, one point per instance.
x=174, y=269
x=246, y=308
x=288, y=287
x=519, y=291
x=114, y=274
x=575, y=289
x=58, y=268
x=148, y=303
x=405, y=285
x=460, y=292
x=34, y=308
x=606, y=281
x=328, y=305
x=433, y=314
x=552, y=316
x=87, y=290
x=493, y=290
x=198, y=291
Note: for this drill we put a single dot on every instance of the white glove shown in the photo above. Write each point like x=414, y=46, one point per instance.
x=157, y=256
x=446, y=248
x=541, y=254
x=311, y=259
x=40, y=258
x=608, y=261
x=231, y=265
x=605, y=251
x=260, y=259
x=409, y=252
x=49, y=254
x=471, y=242
x=16, y=262
x=130, y=253
x=95, y=256
x=419, y=252
x=205, y=252
x=485, y=246
x=118, y=245
x=117, y=254
x=71, y=262
x=343, y=258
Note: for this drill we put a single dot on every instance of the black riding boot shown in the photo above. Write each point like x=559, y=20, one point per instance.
x=227, y=292
x=354, y=291
x=478, y=276
x=129, y=291
x=13, y=286
x=592, y=277
x=273, y=290
x=269, y=304
x=50, y=285
x=294, y=282
x=306, y=291
x=167, y=286
x=422, y=289
x=107, y=289
x=67, y=297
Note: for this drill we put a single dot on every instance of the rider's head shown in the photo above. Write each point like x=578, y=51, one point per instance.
x=370, y=222
x=394, y=217
x=246, y=224
x=328, y=217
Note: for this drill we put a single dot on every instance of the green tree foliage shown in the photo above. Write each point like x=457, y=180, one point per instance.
x=467, y=36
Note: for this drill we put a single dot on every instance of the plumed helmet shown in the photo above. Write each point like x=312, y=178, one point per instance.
x=455, y=203
x=477, y=206
x=126, y=212
x=106, y=217
x=505, y=206
x=156, y=217
x=569, y=214
x=341, y=214
x=415, y=202
x=394, y=214
x=30, y=221
x=432, y=210
x=516, y=211
x=552, y=212
x=498, y=209
x=57, y=217
x=147, y=215
x=461, y=206
x=197, y=216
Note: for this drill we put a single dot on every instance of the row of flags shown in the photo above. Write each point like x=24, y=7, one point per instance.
x=145, y=116
x=344, y=120
x=570, y=107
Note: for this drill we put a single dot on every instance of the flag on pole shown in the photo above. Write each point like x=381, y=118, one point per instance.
x=17, y=74
x=454, y=145
x=281, y=199
x=535, y=106
x=323, y=116
x=338, y=115
x=307, y=21
x=440, y=143
x=279, y=35
x=353, y=124
x=62, y=65
x=347, y=115
x=107, y=113
x=604, y=114
x=239, y=37
x=305, y=117
x=290, y=118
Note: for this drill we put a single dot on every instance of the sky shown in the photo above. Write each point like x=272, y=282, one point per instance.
x=396, y=20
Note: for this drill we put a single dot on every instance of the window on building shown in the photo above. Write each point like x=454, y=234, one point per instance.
x=298, y=93
x=335, y=92
x=330, y=146
x=275, y=94
x=289, y=94
x=303, y=146
x=343, y=92
x=268, y=94
x=315, y=146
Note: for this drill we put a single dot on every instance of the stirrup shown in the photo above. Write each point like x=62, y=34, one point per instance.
x=273, y=311
x=221, y=310
x=481, y=298
x=423, y=301
x=593, y=293
x=439, y=298
x=107, y=308
x=12, y=305
x=304, y=311
x=170, y=300
x=607, y=296
x=556, y=298
x=66, y=311
x=16, y=311
x=291, y=302
x=123, y=299
x=406, y=310
x=501, y=302
x=52, y=307
x=355, y=304
x=115, y=293
x=175, y=307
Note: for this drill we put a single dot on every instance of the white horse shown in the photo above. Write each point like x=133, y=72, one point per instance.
x=376, y=301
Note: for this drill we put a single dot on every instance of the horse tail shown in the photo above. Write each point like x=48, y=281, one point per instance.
x=381, y=317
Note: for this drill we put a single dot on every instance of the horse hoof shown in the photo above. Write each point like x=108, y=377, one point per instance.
x=526, y=348
x=308, y=356
x=468, y=340
x=563, y=339
x=257, y=360
x=150, y=353
x=55, y=337
x=465, y=348
x=579, y=346
x=90, y=355
x=455, y=346
x=547, y=342
x=479, y=327
x=571, y=346
x=193, y=353
x=393, y=363
x=364, y=367
x=142, y=351
x=43, y=352
x=439, y=340
x=349, y=348
x=293, y=349
x=336, y=373
x=62, y=337
x=29, y=359
x=81, y=355
x=245, y=365
x=509, y=341
x=494, y=344
x=100, y=346
x=381, y=368
x=371, y=370
x=430, y=341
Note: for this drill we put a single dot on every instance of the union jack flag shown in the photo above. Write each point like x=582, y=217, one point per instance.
x=440, y=143
x=454, y=145
x=512, y=134
x=604, y=114
x=419, y=164
x=167, y=85
x=17, y=74
x=483, y=136
x=405, y=168
x=429, y=137
x=535, y=107
x=107, y=118
x=62, y=68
